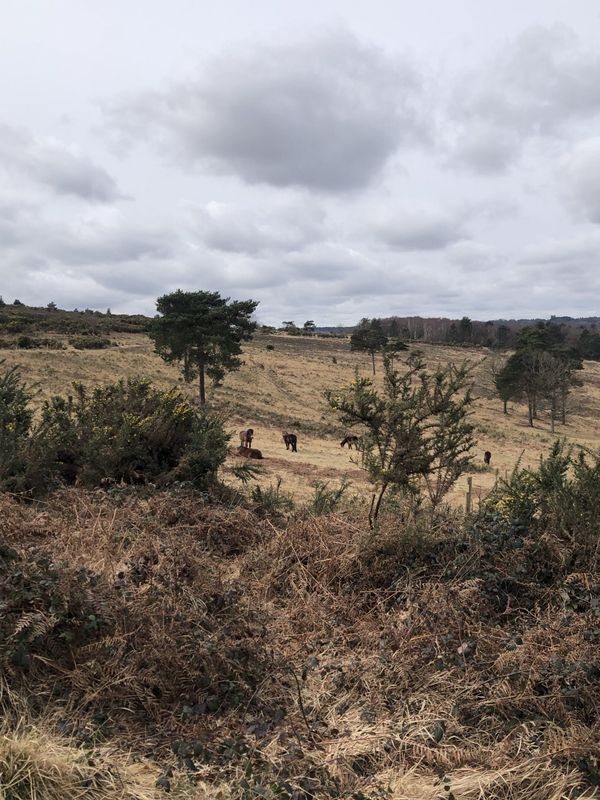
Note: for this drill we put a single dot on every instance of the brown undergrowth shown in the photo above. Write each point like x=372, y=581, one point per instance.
x=418, y=662
x=36, y=764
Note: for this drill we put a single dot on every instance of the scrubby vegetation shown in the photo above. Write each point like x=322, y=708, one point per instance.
x=17, y=318
x=313, y=658
x=127, y=432
x=237, y=644
x=25, y=342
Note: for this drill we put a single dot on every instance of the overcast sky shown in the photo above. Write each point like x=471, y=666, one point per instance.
x=332, y=159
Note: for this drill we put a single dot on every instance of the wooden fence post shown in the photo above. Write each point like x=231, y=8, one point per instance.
x=469, y=499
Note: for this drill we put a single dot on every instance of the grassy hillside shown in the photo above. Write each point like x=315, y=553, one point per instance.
x=22, y=319
x=282, y=389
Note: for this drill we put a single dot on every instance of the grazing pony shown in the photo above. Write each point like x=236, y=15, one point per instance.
x=487, y=457
x=350, y=440
x=246, y=438
x=291, y=440
x=249, y=452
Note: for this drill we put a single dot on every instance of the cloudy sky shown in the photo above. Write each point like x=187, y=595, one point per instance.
x=330, y=159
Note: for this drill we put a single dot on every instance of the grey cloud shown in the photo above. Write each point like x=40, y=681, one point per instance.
x=139, y=279
x=87, y=242
x=534, y=85
x=98, y=253
x=324, y=114
x=54, y=165
x=578, y=254
x=96, y=245
x=329, y=262
x=418, y=229
x=235, y=228
x=474, y=256
x=486, y=148
x=17, y=219
x=580, y=177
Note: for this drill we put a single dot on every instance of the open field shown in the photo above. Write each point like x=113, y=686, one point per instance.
x=282, y=389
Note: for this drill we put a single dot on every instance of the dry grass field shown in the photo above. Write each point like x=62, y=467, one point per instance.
x=282, y=389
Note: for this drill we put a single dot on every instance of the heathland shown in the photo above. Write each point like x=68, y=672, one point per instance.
x=280, y=388
x=230, y=644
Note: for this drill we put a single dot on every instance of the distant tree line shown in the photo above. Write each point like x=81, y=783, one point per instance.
x=582, y=336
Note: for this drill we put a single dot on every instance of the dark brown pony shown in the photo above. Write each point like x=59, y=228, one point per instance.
x=246, y=438
x=291, y=440
x=350, y=440
x=249, y=452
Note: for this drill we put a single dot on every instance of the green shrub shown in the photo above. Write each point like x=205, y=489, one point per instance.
x=561, y=497
x=15, y=421
x=205, y=450
x=31, y=343
x=25, y=342
x=48, y=606
x=16, y=326
x=326, y=500
x=126, y=432
x=271, y=501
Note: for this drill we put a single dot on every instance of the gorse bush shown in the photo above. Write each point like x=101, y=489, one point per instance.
x=205, y=449
x=561, y=497
x=15, y=421
x=416, y=431
x=126, y=432
x=15, y=413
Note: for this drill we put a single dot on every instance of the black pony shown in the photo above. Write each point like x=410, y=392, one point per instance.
x=291, y=440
